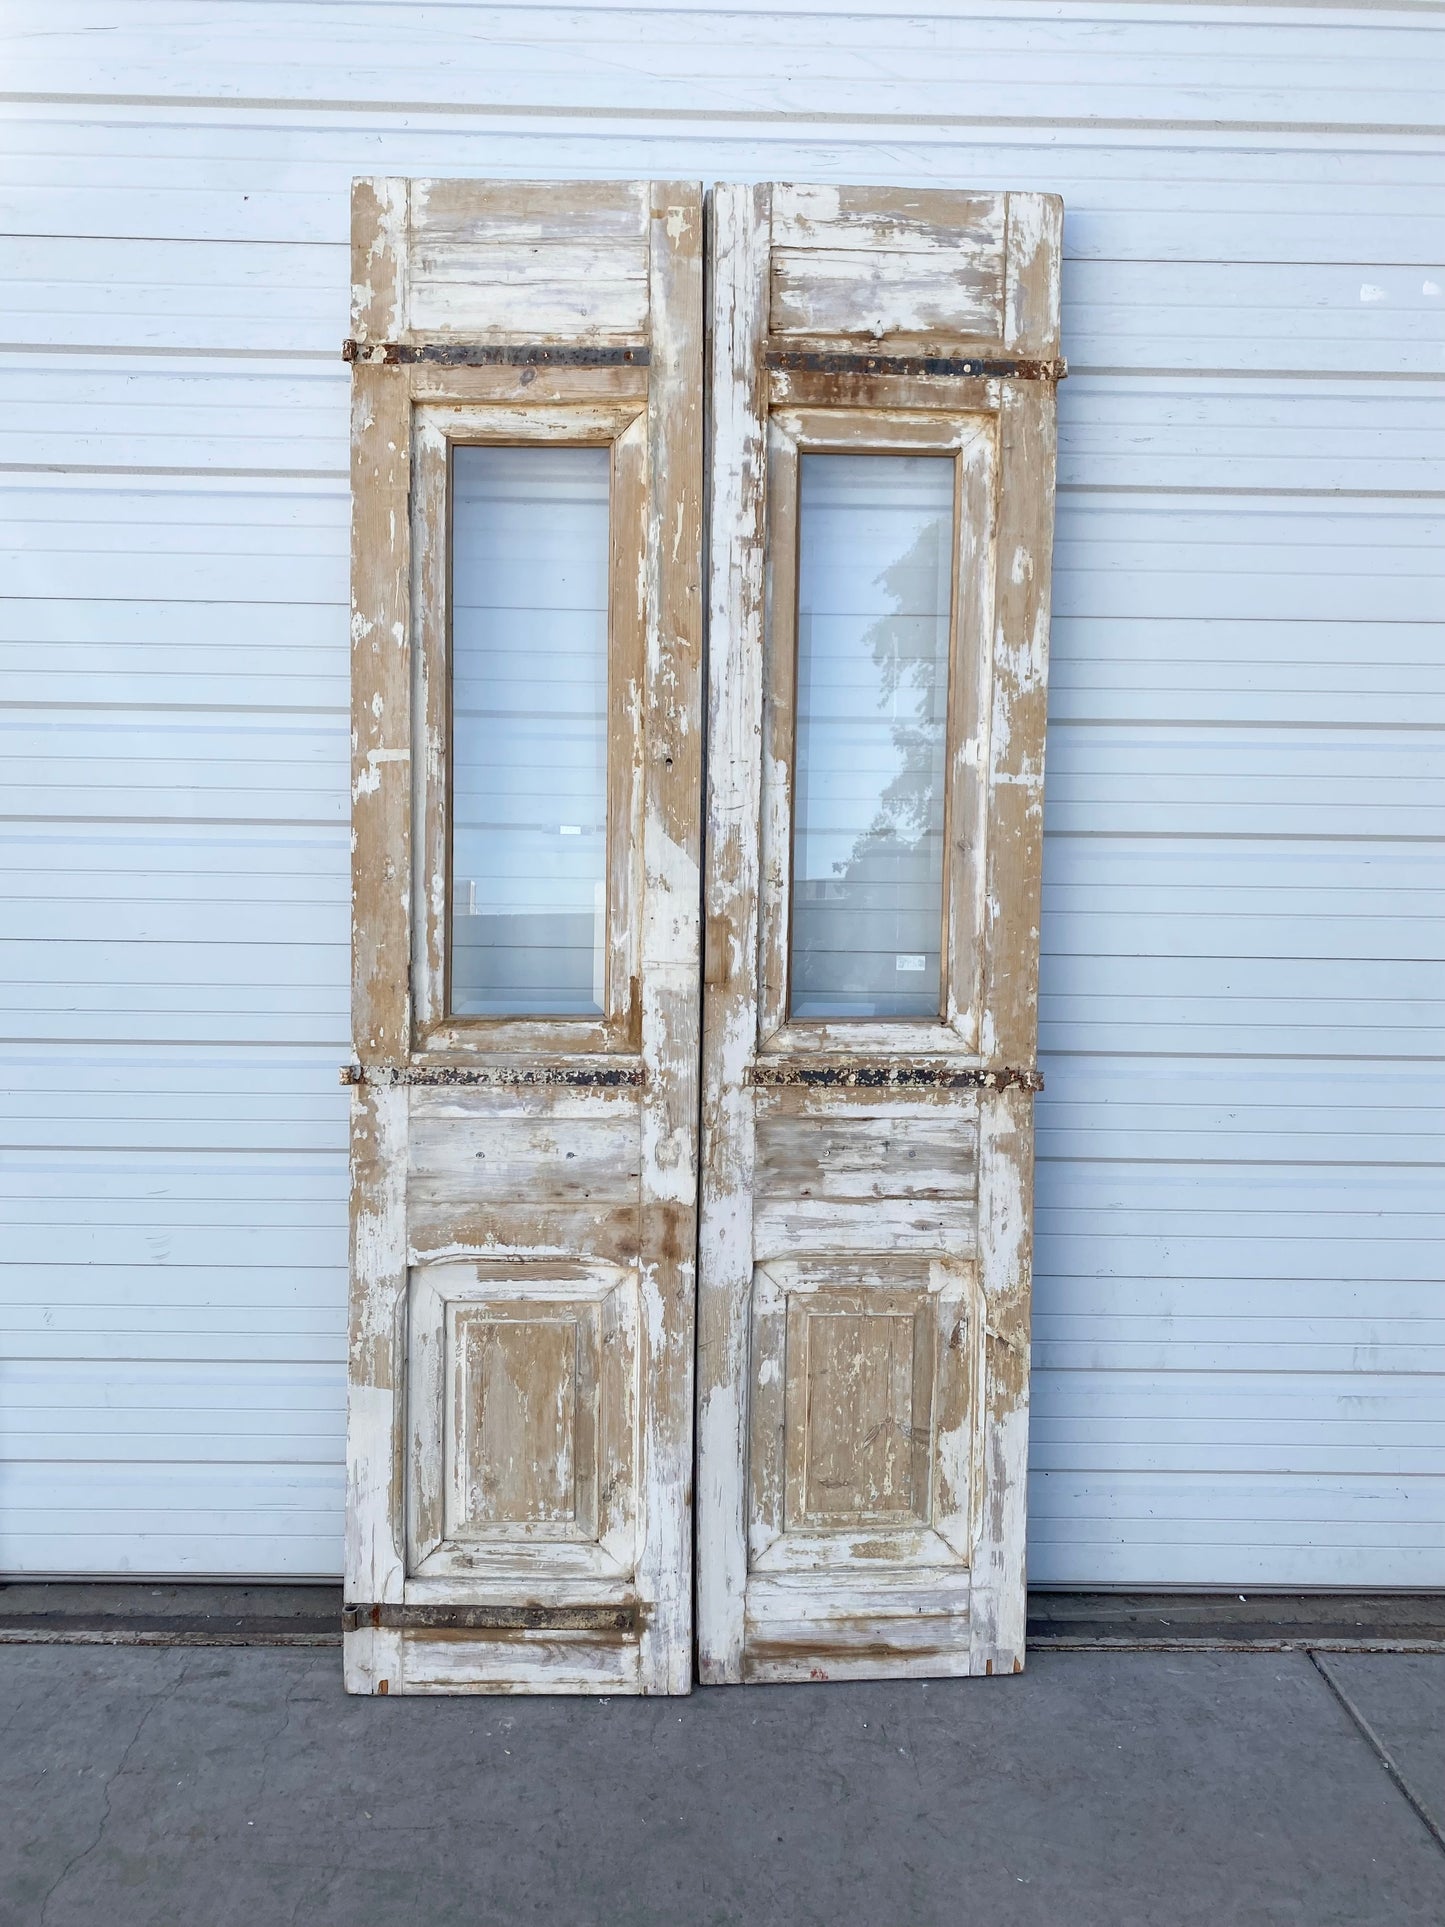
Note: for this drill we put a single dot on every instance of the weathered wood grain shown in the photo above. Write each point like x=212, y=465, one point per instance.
x=958, y=228
x=843, y=1227
x=843, y=291
x=858, y=1627
x=528, y=290
x=498, y=1160
x=523, y=1395
x=838, y=1156
x=540, y=385
x=596, y=215
x=499, y=1662
x=493, y=260
x=996, y=1634
x=670, y=850
x=375, y=1549
x=884, y=262
x=738, y=236
x=380, y=640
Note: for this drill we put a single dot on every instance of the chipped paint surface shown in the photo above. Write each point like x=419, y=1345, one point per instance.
x=524, y=1191
x=867, y=1187
x=865, y=1191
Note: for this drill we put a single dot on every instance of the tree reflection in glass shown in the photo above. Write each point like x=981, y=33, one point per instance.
x=874, y=604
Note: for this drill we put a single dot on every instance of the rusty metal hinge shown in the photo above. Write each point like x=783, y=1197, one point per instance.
x=972, y=367
x=623, y=1076
x=465, y=354
x=777, y=1073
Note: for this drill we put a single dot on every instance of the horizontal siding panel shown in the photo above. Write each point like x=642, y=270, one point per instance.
x=1241, y=924
x=1166, y=64
x=1298, y=1245
x=218, y=966
x=257, y=1013
x=1202, y=1345
x=76, y=764
x=218, y=297
x=1310, y=317
x=1205, y=433
x=1242, y=992
x=1122, y=670
x=1223, y=977
x=1404, y=656
x=1209, y=1110
x=1243, y=1409
x=1140, y=433
x=191, y=1189
x=1245, y=949
x=210, y=916
x=1313, y=872
x=214, y=296
x=114, y=1517
x=1250, y=561
x=212, y=631
x=1285, y=1461
x=1130, y=195
x=249, y=1100
x=148, y=1339
x=149, y=1412
x=177, y=544
x=127, y=969
x=1381, y=1511
x=83, y=1233
x=1299, y=1562
x=291, y=1288
x=1232, y=1529
x=136, y=415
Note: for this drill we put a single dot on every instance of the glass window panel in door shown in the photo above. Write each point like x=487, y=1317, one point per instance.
x=529, y=578
x=875, y=571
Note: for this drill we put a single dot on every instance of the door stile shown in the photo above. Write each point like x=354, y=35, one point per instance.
x=738, y=247
x=671, y=933
x=380, y=934
x=1012, y=915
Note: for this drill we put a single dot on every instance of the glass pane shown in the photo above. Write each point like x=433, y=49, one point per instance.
x=875, y=567
x=529, y=731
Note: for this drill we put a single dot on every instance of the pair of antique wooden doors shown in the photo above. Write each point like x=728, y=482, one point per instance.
x=694, y=995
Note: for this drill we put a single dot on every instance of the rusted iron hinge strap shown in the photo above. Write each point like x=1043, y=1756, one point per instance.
x=463, y=354
x=783, y=1072
x=973, y=367
x=578, y=1076
x=482, y=1619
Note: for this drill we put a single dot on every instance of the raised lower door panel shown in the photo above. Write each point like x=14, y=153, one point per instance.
x=882, y=402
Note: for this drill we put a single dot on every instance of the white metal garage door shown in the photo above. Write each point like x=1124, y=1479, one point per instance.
x=1240, y=1335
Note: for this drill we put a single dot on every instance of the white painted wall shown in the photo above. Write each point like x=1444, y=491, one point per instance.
x=1241, y=1321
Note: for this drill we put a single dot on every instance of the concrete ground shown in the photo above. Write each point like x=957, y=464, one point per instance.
x=209, y=1786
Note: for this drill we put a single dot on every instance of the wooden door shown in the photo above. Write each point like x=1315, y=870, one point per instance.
x=527, y=635
x=882, y=403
